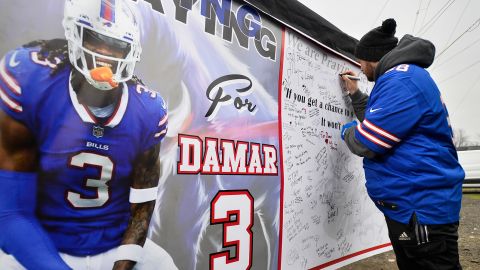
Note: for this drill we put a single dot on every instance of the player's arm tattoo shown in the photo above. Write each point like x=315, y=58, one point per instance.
x=146, y=173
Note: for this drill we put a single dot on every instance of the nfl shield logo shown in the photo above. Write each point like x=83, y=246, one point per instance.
x=97, y=131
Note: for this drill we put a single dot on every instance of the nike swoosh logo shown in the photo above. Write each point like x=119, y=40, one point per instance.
x=12, y=62
x=374, y=110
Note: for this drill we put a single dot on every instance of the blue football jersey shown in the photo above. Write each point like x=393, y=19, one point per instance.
x=85, y=166
x=418, y=170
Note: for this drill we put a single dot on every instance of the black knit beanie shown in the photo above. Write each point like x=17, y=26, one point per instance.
x=378, y=42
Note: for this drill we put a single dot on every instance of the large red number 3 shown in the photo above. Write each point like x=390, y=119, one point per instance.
x=234, y=209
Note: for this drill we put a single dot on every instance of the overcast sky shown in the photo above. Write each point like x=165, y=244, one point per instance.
x=452, y=25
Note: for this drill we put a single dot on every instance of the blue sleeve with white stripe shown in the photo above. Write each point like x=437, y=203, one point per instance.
x=11, y=72
x=157, y=121
x=21, y=69
x=391, y=114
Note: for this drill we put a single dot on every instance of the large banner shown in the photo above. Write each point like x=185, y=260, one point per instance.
x=328, y=219
x=254, y=174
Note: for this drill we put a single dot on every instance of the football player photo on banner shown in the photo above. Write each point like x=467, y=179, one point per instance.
x=139, y=135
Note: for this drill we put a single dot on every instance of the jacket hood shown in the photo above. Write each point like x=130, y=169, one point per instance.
x=410, y=50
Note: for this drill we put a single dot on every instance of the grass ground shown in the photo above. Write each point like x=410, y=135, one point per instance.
x=468, y=243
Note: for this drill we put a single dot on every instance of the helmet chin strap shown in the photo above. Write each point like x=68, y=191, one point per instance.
x=102, y=78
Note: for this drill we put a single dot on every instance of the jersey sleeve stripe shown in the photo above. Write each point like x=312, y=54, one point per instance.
x=9, y=102
x=372, y=138
x=160, y=133
x=8, y=79
x=163, y=121
x=380, y=131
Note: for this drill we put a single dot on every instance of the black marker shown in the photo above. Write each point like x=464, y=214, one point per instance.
x=353, y=78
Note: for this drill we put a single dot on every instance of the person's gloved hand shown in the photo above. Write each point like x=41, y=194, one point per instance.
x=347, y=126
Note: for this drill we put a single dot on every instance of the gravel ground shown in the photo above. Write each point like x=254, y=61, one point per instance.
x=469, y=241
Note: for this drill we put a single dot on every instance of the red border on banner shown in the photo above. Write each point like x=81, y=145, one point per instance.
x=280, y=78
x=341, y=259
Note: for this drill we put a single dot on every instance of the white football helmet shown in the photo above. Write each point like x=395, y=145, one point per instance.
x=101, y=23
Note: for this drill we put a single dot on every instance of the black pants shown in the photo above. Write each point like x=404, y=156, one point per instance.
x=429, y=247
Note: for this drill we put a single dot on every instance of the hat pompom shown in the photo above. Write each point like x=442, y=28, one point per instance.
x=389, y=26
x=377, y=42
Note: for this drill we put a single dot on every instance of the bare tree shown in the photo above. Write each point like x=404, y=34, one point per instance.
x=460, y=139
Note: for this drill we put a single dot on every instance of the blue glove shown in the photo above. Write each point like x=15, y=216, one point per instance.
x=347, y=126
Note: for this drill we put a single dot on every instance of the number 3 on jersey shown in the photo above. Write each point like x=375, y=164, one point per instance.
x=106, y=169
x=237, y=232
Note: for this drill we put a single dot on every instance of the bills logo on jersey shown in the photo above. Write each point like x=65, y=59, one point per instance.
x=97, y=131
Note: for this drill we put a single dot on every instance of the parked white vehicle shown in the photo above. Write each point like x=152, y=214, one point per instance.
x=470, y=161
